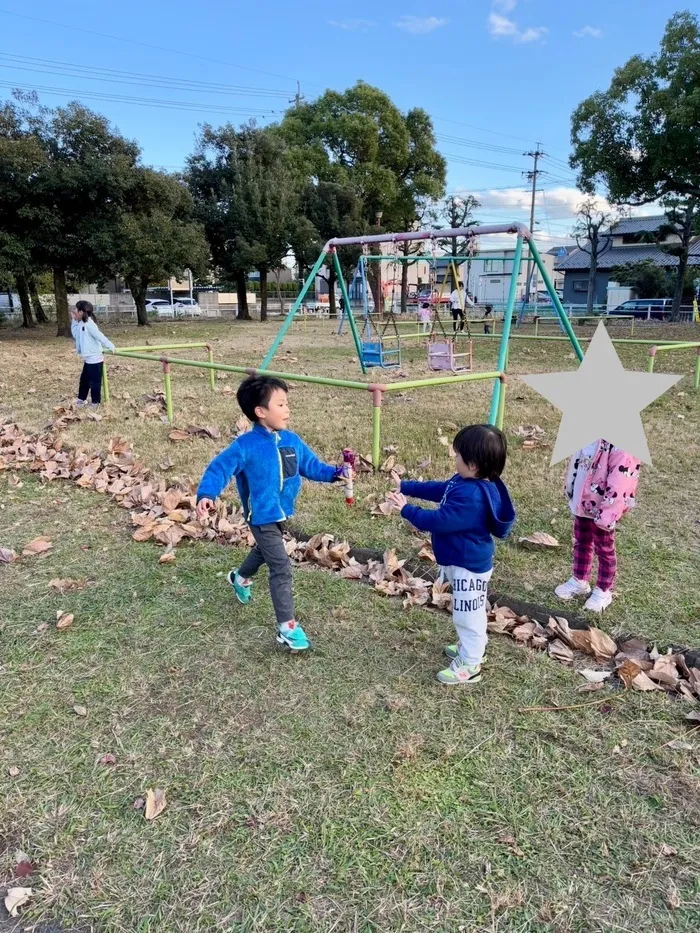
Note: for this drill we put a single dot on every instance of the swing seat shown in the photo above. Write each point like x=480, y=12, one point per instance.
x=375, y=354
x=442, y=357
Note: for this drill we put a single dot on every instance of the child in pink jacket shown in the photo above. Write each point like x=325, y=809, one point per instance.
x=601, y=485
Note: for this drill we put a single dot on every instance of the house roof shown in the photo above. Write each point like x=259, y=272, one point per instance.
x=639, y=225
x=555, y=249
x=619, y=255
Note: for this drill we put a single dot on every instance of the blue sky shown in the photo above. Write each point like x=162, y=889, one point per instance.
x=497, y=76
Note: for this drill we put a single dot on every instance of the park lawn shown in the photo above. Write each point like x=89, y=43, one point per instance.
x=658, y=543
x=344, y=790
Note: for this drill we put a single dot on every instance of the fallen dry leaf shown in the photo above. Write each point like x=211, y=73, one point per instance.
x=593, y=641
x=167, y=558
x=178, y=435
x=627, y=671
x=155, y=803
x=80, y=710
x=166, y=465
x=538, y=539
x=668, y=851
x=678, y=746
x=507, y=839
x=138, y=804
x=560, y=652
x=108, y=759
x=36, y=546
x=200, y=430
x=595, y=677
x=16, y=898
x=64, y=620
x=642, y=682
x=13, y=771
x=673, y=895
x=426, y=553
x=693, y=717
x=23, y=868
x=64, y=586
x=7, y=555
x=591, y=688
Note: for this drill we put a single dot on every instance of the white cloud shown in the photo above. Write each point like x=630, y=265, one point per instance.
x=352, y=25
x=500, y=26
x=505, y=5
x=589, y=32
x=419, y=25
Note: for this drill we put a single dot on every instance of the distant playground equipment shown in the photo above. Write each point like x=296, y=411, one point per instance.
x=522, y=234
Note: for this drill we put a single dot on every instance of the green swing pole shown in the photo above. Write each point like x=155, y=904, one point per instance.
x=505, y=335
x=563, y=317
x=346, y=298
x=311, y=278
x=105, y=382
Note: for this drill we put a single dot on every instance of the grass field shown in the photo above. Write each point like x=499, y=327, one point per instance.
x=345, y=790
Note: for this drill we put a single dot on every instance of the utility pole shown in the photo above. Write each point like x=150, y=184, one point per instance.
x=298, y=97
x=532, y=176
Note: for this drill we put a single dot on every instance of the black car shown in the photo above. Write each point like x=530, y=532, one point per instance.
x=654, y=309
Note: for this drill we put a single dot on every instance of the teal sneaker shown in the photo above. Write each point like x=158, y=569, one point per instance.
x=452, y=652
x=292, y=636
x=243, y=594
x=460, y=674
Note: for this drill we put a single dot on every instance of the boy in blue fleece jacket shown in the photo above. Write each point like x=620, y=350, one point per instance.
x=474, y=505
x=268, y=463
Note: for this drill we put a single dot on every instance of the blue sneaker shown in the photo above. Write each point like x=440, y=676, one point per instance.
x=243, y=594
x=293, y=636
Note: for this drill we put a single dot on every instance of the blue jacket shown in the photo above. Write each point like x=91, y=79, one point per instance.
x=89, y=339
x=470, y=512
x=268, y=466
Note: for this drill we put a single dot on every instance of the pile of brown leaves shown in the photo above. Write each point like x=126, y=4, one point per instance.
x=166, y=514
x=630, y=661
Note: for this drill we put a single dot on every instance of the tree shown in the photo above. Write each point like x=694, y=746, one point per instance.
x=76, y=195
x=683, y=223
x=157, y=239
x=641, y=137
x=244, y=192
x=648, y=279
x=360, y=140
x=458, y=211
x=591, y=239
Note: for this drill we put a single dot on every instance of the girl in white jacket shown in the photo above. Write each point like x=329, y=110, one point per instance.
x=89, y=341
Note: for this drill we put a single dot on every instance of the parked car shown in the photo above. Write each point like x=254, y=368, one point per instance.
x=655, y=309
x=187, y=306
x=160, y=307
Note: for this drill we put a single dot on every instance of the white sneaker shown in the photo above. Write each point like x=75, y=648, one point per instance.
x=598, y=601
x=79, y=403
x=573, y=588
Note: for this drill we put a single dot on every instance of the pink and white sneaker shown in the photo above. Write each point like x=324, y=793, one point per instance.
x=573, y=588
x=599, y=600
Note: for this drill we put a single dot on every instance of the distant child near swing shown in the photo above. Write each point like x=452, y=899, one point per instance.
x=268, y=463
x=425, y=317
x=89, y=343
x=488, y=311
x=601, y=486
x=474, y=506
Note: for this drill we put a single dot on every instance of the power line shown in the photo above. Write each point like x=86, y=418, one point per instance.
x=43, y=66
x=147, y=45
x=142, y=101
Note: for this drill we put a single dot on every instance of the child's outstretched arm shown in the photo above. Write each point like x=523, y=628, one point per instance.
x=219, y=473
x=430, y=492
x=314, y=469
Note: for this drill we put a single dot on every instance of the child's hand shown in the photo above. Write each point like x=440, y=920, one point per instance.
x=204, y=507
x=396, y=480
x=397, y=499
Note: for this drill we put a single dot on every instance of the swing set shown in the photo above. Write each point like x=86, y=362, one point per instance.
x=445, y=357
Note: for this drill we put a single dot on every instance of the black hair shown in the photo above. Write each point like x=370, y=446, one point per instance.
x=483, y=446
x=488, y=309
x=256, y=391
x=425, y=304
x=86, y=309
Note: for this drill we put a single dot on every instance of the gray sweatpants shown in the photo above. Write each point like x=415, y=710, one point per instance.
x=269, y=549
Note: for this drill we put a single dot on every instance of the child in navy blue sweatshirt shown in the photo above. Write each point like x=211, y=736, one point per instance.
x=474, y=505
x=268, y=463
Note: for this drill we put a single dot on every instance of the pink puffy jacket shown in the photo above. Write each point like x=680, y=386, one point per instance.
x=610, y=486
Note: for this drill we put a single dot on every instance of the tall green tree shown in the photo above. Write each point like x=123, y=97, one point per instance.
x=648, y=279
x=683, y=225
x=157, y=237
x=641, y=137
x=359, y=139
x=245, y=195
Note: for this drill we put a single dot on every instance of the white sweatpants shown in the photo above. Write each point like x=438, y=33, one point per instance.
x=469, y=611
